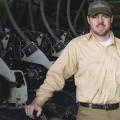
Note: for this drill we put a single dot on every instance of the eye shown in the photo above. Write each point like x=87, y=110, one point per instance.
x=94, y=16
x=106, y=16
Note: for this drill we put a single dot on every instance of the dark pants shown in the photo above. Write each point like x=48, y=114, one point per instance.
x=85, y=113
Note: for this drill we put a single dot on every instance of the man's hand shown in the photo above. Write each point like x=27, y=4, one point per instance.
x=31, y=108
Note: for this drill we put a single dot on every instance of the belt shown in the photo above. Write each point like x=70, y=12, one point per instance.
x=101, y=106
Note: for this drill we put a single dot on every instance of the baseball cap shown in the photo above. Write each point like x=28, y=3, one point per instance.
x=99, y=6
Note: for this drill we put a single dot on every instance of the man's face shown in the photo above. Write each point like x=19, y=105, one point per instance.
x=100, y=24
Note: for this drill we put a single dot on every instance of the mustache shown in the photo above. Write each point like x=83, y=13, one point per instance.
x=100, y=24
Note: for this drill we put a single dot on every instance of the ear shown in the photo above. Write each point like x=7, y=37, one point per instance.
x=112, y=19
x=88, y=19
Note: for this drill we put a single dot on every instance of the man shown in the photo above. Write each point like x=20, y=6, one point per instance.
x=94, y=59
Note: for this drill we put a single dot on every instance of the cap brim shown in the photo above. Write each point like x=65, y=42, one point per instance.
x=99, y=11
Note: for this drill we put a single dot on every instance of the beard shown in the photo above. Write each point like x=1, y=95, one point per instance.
x=101, y=32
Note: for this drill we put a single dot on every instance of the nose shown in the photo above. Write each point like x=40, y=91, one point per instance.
x=100, y=19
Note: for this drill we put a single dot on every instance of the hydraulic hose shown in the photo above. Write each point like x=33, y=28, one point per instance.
x=78, y=13
x=46, y=22
x=16, y=27
x=31, y=15
x=58, y=14
x=69, y=19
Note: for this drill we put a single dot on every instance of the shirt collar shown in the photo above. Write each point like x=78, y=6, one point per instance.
x=91, y=37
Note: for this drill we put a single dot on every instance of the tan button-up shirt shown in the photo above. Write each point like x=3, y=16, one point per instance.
x=96, y=70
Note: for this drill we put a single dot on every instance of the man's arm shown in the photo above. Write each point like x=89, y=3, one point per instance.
x=63, y=68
